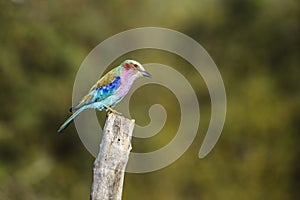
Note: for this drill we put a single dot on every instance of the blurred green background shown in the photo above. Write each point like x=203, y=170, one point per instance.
x=255, y=44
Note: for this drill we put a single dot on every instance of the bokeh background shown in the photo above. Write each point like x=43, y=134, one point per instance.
x=255, y=44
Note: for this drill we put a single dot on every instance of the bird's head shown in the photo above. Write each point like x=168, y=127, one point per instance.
x=136, y=67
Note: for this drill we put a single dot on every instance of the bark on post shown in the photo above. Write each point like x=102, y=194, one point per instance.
x=109, y=166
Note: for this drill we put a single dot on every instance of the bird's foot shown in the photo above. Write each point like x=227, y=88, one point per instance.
x=110, y=110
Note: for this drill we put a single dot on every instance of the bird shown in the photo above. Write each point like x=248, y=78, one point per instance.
x=109, y=90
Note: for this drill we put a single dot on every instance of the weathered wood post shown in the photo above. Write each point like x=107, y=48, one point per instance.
x=109, y=166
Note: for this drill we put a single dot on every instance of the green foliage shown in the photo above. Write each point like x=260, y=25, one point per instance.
x=255, y=44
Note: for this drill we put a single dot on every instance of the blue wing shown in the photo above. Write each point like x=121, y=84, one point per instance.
x=99, y=93
x=105, y=91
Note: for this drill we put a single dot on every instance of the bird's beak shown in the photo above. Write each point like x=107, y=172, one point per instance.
x=146, y=74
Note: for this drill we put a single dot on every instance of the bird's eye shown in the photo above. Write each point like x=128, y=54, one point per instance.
x=135, y=65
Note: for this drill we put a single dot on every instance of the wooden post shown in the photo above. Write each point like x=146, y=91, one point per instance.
x=109, y=166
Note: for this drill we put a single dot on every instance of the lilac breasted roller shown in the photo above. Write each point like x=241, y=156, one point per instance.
x=109, y=90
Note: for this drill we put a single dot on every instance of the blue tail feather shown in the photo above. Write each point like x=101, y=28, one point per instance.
x=70, y=119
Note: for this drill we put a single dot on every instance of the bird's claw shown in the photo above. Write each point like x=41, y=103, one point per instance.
x=110, y=110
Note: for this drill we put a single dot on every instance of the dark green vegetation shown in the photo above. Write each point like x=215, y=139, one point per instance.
x=254, y=43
